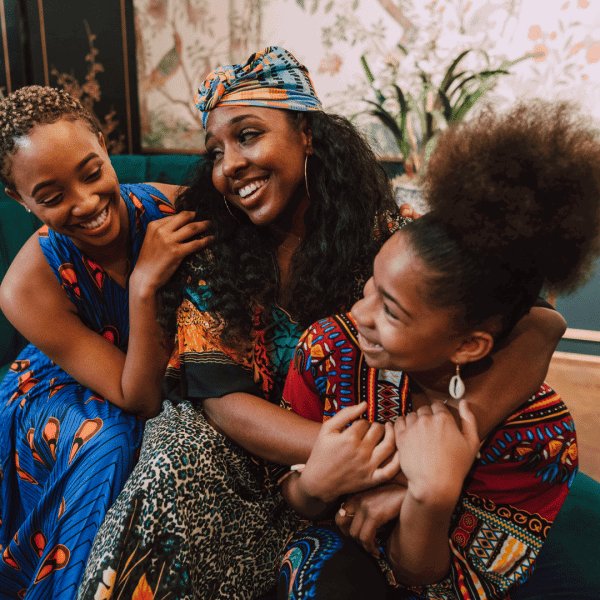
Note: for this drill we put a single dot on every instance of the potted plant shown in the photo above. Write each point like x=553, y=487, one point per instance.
x=416, y=111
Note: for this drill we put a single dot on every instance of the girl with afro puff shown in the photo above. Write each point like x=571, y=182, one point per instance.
x=514, y=208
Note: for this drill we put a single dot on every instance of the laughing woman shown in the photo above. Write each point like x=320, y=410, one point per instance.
x=299, y=207
x=83, y=291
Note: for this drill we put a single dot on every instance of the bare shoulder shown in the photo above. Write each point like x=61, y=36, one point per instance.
x=28, y=274
x=170, y=191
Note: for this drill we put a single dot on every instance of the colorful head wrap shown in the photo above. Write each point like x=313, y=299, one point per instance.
x=272, y=78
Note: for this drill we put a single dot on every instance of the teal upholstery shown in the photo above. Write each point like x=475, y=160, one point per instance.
x=16, y=225
x=569, y=563
x=177, y=169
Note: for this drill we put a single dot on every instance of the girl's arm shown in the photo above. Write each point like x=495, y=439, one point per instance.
x=35, y=303
x=436, y=457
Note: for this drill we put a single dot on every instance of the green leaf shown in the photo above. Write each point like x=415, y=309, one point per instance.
x=365, y=65
x=376, y=104
x=509, y=63
x=401, y=99
x=389, y=122
x=446, y=108
x=448, y=77
x=469, y=101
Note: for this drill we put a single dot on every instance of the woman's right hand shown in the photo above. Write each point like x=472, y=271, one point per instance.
x=350, y=454
x=364, y=513
x=168, y=241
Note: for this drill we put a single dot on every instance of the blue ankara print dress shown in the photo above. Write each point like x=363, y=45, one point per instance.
x=66, y=451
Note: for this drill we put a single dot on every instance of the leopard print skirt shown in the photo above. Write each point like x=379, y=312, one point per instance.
x=198, y=518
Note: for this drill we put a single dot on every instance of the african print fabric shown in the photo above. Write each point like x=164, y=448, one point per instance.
x=271, y=78
x=200, y=517
x=66, y=451
x=515, y=487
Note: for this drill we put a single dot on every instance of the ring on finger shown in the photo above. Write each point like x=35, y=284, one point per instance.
x=343, y=512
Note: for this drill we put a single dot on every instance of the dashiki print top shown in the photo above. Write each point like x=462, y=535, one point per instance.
x=513, y=491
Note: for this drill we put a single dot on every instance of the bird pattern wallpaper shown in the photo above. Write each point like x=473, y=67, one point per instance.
x=178, y=42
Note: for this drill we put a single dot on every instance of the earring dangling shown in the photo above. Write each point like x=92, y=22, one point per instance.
x=457, y=385
x=27, y=209
x=305, y=175
x=229, y=210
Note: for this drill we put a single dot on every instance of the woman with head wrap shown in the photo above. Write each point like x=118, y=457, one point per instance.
x=299, y=207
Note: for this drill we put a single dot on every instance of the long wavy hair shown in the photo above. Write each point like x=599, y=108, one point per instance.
x=348, y=219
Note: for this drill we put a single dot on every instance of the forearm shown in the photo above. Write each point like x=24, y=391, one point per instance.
x=147, y=356
x=262, y=428
x=418, y=548
x=523, y=362
x=301, y=500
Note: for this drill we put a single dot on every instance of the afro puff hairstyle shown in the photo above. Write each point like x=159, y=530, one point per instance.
x=514, y=202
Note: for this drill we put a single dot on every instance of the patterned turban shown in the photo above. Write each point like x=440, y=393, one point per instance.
x=272, y=78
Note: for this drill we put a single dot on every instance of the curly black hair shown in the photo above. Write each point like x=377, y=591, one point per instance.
x=347, y=220
x=515, y=201
x=30, y=106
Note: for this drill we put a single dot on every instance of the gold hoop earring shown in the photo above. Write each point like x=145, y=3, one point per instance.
x=305, y=175
x=229, y=210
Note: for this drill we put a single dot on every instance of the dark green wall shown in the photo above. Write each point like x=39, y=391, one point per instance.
x=582, y=311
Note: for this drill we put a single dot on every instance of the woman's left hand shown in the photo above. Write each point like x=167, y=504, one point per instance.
x=350, y=455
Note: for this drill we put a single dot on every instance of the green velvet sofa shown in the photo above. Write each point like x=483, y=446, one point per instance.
x=569, y=562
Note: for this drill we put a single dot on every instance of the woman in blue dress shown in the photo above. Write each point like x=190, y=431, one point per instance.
x=82, y=290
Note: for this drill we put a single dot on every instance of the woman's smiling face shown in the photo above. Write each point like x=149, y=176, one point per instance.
x=62, y=173
x=258, y=156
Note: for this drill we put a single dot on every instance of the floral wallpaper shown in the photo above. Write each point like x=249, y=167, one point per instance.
x=179, y=41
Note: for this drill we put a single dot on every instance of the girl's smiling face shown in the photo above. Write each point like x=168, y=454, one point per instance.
x=398, y=327
x=258, y=156
x=62, y=173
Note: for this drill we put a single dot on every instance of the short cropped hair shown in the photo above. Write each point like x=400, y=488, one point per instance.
x=30, y=106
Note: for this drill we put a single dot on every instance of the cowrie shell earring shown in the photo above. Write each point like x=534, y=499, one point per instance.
x=457, y=385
